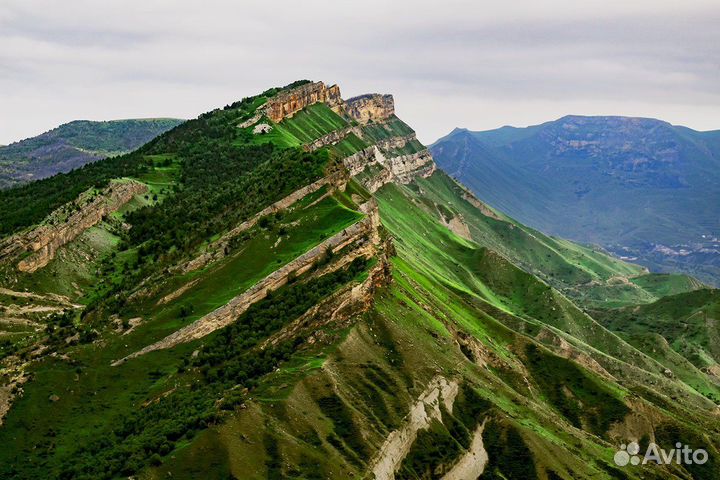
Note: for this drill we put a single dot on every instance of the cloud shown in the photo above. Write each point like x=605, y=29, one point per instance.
x=458, y=63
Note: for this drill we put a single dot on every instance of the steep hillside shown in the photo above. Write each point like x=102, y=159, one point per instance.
x=74, y=144
x=288, y=288
x=641, y=188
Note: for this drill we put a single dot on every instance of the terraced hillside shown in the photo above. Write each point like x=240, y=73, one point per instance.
x=287, y=288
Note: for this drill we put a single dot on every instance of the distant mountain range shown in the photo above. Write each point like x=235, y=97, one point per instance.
x=644, y=189
x=74, y=144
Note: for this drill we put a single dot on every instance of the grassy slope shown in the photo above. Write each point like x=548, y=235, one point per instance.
x=442, y=285
x=260, y=251
x=326, y=410
x=681, y=331
x=121, y=390
x=589, y=276
x=305, y=126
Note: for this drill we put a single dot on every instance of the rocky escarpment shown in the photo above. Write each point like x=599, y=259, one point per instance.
x=67, y=223
x=358, y=235
x=364, y=108
x=426, y=409
x=370, y=107
x=333, y=138
x=396, y=142
x=285, y=104
x=406, y=167
x=381, y=169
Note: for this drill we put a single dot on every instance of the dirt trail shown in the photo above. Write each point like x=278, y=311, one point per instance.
x=472, y=464
x=426, y=408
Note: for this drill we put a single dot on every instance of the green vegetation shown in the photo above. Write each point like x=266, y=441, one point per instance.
x=75, y=144
x=214, y=131
x=393, y=127
x=679, y=331
x=581, y=399
x=549, y=177
x=303, y=127
x=509, y=456
x=349, y=145
x=213, y=199
x=311, y=379
x=139, y=429
x=27, y=205
x=346, y=435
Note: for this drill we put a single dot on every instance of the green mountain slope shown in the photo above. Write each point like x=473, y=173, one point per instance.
x=288, y=288
x=74, y=144
x=641, y=188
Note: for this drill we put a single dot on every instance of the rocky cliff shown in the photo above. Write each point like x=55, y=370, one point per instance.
x=286, y=104
x=370, y=107
x=373, y=169
x=66, y=224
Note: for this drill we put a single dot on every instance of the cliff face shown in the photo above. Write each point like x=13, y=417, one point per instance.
x=402, y=168
x=45, y=240
x=370, y=107
x=285, y=104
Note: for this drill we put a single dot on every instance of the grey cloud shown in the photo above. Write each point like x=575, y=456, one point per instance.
x=473, y=64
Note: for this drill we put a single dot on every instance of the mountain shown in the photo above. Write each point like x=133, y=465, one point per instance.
x=288, y=287
x=74, y=144
x=641, y=188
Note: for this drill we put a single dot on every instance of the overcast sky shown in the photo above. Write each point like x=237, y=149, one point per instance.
x=479, y=65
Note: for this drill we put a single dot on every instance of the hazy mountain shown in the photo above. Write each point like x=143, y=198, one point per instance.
x=289, y=288
x=74, y=144
x=642, y=188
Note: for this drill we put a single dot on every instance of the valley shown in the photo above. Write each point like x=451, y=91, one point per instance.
x=640, y=188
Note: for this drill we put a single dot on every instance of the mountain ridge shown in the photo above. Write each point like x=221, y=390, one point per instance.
x=309, y=297
x=639, y=187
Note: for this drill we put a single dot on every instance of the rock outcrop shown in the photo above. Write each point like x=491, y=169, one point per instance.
x=402, y=168
x=472, y=464
x=332, y=138
x=406, y=167
x=286, y=104
x=395, y=142
x=370, y=107
x=357, y=162
x=87, y=210
x=251, y=121
x=358, y=233
x=422, y=413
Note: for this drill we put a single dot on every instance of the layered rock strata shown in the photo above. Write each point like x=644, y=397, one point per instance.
x=228, y=313
x=286, y=104
x=89, y=209
x=370, y=107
